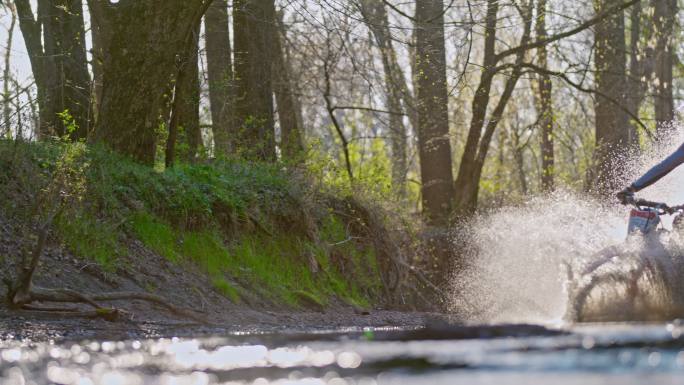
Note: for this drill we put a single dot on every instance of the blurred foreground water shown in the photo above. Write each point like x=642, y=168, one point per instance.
x=588, y=354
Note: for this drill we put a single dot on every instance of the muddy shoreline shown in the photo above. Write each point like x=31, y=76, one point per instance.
x=25, y=325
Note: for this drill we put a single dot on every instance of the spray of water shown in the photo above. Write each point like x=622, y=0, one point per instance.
x=525, y=263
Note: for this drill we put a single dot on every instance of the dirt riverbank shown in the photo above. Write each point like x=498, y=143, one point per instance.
x=183, y=285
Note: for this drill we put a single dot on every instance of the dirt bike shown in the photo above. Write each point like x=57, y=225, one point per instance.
x=626, y=264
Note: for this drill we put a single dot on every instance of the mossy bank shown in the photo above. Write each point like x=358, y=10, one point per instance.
x=259, y=234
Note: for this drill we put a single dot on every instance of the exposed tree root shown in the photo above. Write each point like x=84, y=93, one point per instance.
x=22, y=293
x=63, y=295
x=52, y=312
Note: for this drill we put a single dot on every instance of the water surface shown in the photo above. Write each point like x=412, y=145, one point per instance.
x=589, y=354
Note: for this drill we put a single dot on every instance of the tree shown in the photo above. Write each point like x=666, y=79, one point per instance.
x=396, y=90
x=544, y=88
x=482, y=127
x=253, y=24
x=330, y=62
x=432, y=109
x=6, y=97
x=478, y=141
x=665, y=14
x=220, y=74
x=97, y=53
x=145, y=44
x=289, y=108
x=55, y=41
x=66, y=27
x=612, y=121
x=640, y=69
x=184, y=123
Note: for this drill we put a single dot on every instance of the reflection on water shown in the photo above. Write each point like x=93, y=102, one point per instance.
x=619, y=353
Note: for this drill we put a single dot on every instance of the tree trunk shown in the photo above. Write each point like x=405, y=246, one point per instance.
x=612, y=123
x=64, y=40
x=144, y=44
x=291, y=141
x=665, y=13
x=546, y=119
x=477, y=143
x=190, y=118
x=42, y=65
x=519, y=157
x=253, y=34
x=327, y=97
x=220, y=73
x=97, y=53
x=184, y=125
x=434, y=146
x=467, y=182
x=6, y=75
x=640, y=69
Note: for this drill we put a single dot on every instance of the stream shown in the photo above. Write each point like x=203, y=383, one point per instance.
x=507, y=354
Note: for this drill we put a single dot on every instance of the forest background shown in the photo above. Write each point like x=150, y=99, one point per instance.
x=433, y=108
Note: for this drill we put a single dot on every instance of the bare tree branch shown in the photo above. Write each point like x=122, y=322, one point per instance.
x=589, y=23
x=579, y=87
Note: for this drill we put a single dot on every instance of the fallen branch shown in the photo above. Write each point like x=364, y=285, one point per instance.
x=64, y=295
x=22, y=293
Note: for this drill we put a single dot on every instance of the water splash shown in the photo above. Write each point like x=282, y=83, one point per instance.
x=521, y=262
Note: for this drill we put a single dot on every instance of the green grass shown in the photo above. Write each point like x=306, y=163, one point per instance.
x=277, y=265
x=224, y=287
x=203, y=213
x=156, y=235
x=204, y=248
x=90, y=238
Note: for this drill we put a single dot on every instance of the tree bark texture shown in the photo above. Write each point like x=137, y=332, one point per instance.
x=220, y=74
x=664, y=17
x=6, y=75
x=289, y=113
x=31, y=29
x=145, y=45
x=55, y=41
x=64, y=39
x=612, y=122
x=97, y=53
x=546, y=118
x=430, y=83
x=184, y=124
x=253, y=24
x=640, y=69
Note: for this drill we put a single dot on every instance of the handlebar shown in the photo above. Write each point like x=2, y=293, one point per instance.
x=656, y=205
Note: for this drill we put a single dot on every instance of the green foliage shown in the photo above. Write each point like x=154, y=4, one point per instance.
x=189, y=195
x=238, y=221
x=310, y=299
x=204, y=248
x=70, y=125
x=358, y=258
x=155, y=234
x=273, y=264
x=90, y=238
x=371, y=166
x=225, y=288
